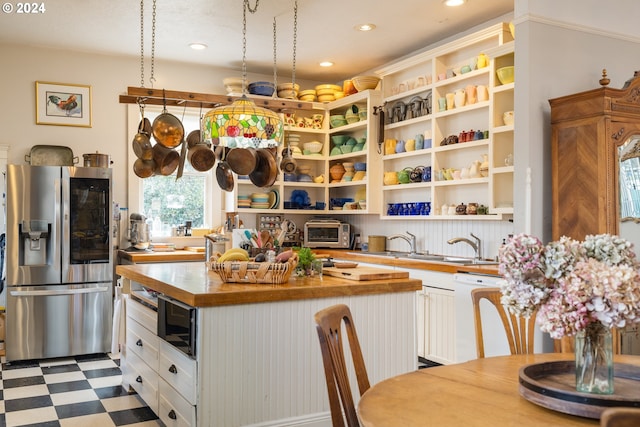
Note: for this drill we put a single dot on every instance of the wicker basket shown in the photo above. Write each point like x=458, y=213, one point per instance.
x=253, y=272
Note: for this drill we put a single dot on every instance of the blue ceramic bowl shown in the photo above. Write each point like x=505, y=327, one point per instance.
x=360, y=166
x=261, y=88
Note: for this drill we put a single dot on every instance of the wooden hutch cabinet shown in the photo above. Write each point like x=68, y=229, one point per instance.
x=586, y=131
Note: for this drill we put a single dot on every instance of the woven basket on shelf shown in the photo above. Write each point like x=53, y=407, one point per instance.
x=253, y=272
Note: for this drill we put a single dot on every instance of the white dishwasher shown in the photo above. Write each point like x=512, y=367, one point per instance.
x=495, y=339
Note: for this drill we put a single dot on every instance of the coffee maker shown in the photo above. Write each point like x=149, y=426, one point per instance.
x=138, y=233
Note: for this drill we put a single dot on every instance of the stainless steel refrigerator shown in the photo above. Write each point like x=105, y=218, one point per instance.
x=59, y=261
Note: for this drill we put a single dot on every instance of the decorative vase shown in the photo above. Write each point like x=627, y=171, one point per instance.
x=484, y=166
x=594, y=359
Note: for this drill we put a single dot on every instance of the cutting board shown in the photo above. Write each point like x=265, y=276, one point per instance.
x=194, y=248
x=365, y=273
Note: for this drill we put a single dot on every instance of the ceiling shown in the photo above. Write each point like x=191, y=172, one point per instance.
x=325, y=31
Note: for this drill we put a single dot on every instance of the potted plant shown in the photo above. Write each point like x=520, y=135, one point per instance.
x=306, y=260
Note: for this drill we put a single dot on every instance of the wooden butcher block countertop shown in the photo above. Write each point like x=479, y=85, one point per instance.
x=172, y=256
x=193, y=284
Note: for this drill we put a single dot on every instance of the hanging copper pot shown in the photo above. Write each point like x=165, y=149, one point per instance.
x=167, y=130
x=224, y=174
x=242, y=161
x=266, y=170
x=144, y=168
x=167, y=159
x=201, y=157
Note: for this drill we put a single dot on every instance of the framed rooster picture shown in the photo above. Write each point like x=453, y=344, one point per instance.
x=63, y=104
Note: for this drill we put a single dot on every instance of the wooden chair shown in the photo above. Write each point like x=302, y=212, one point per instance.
x=329, y=321
x=519, y=330
x=620, y=417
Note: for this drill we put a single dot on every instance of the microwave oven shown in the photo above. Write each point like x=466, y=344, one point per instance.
x=177, y=324
x=327, y=233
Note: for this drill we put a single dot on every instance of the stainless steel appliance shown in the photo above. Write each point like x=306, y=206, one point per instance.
x=327, y=233
x=59, y=261
x=138, y=233
x=177, y=324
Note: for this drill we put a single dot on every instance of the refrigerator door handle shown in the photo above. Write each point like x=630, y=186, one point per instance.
x=47, y=293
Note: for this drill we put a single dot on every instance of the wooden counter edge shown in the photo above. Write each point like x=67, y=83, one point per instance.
x=216, y=293
x=178, y=255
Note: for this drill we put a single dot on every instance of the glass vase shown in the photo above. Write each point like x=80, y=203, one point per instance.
x=594, y=359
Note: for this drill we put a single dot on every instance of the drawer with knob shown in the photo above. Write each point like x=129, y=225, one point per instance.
x=143, y=380
x=143, y=343
x=178, y=370
x=174, y=409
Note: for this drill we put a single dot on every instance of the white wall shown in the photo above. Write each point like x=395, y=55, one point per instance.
x=561, y=48
x=109, y=76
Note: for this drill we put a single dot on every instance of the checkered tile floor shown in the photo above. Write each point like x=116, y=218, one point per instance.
x=79, y=391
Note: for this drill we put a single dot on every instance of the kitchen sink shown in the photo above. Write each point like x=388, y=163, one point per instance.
x=430, y=257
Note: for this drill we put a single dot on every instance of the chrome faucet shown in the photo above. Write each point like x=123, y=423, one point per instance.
x=477, y=245
x=409, y=238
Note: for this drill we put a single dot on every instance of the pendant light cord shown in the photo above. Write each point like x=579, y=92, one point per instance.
x=246, y=7
x=275, y=67
x=295, y=42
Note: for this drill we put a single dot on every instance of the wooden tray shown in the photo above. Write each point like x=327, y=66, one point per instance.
x=553, y=385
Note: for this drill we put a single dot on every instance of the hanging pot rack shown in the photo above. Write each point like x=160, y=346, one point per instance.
x=150, y=96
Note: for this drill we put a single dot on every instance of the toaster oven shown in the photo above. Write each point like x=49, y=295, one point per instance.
x=327, y=233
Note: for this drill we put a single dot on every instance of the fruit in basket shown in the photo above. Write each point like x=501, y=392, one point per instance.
x=234, y=254
x=260, y=258
x=284, y=256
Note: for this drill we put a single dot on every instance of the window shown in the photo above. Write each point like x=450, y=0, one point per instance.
x=168, y=202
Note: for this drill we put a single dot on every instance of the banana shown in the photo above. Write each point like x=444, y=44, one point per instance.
x=234, y=254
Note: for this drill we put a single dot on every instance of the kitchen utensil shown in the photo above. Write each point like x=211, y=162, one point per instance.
x=50, y=155
x=194, y=137
x=224, y=174
x=201, y=157
x=183, y=155
x=167, y=130
x=97, y=160
x=166, y=159
x=242, y=160
x=266, y=170
x=142, y=147
x=144, y=168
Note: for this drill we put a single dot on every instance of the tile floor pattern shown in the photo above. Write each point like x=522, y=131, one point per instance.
x=79, y=391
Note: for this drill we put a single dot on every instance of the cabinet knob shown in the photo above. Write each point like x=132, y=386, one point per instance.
x=173, y=369
x=139, y=343
x=172, y=415
x=139, y=379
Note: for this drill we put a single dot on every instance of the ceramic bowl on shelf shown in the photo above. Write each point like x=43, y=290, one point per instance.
x=339, y=139
x=261, y=88
x=505, y=74
x=346, y=148
x=313, y=146
x=365, y=82
x=303, y=169
x=360, y=166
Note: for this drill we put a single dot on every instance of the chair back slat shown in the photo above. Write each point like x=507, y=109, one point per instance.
x=329, y=326
x=519, y=330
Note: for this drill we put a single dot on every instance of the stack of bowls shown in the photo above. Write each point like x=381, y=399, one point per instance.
x=327, y=92
x=365, y=82
x=337, y=120
x=348, y=146
x=505, y=75
x=262, y=88
x=260, y=201
x=308, y=95
x=244, y=201
x=288, y=90
x=233, y=85
x=293, y=139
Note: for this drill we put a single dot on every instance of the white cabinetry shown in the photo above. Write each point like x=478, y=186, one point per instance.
x=413, y=90
x=436, y=316
x=163, y=377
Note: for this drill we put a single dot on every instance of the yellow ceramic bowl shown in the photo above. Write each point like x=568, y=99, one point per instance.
x=332, y=88
x=326, y=98
x=313, y=146
x=505, y=74
x=365, y=82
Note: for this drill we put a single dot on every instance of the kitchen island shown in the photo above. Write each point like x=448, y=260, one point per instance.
x=258, y=359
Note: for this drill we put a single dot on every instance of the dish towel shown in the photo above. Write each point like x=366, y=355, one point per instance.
x=118, y=330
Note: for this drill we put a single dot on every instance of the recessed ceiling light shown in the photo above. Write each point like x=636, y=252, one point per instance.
x=365, y=27
x=326, y=64
x=198, y=46
x=454, y=2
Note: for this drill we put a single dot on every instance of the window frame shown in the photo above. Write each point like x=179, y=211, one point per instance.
x=214, y=197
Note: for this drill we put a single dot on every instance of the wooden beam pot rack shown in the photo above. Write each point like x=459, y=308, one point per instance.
x=148, y=96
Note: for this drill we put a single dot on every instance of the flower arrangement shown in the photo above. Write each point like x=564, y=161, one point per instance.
x=572, y=284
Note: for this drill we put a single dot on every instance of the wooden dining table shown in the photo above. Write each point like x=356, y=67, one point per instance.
x=477, y=393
